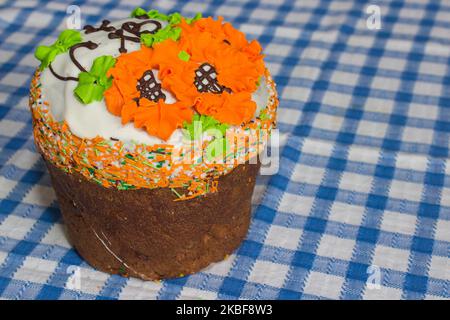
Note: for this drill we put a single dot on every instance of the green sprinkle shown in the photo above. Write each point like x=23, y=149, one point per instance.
x=175, y=18
x=136, y=167
x=122, y=270
x=263, y=115
x=125, y=186
x=184, y=56
x=96, y=180
x=176, y=192
x=147, y=163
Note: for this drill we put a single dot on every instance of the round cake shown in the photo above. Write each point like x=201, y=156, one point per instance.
x=152, y=129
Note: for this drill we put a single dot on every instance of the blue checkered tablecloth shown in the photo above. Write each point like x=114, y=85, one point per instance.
x=360, y=208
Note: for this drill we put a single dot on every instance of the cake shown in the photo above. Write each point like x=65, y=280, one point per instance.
x=152, y=128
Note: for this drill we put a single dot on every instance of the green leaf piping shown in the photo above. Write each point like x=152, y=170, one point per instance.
x=138, y=12
x=173, y=18
x=170, y=31
x=92, y=84
x=219, y=145
x=184, y=56
x=47, y=54
x=195, y=18
x=193, y=130
x=155, y=14
x=208, y=123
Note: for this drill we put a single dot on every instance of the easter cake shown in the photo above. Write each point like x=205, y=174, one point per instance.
x=151, y=129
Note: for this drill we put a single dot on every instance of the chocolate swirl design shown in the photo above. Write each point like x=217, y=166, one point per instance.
x=88, y=44
x=129, y=31
x=132, y=28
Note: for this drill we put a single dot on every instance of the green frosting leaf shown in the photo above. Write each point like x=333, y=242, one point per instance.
x=66, y=39
x=175, y=18
x=168, y=32
x=155, y=14
x=195, y=18
x=138, y=12
x=217, y=148
x=152, y=14
x=202, y=123
x=92, y=84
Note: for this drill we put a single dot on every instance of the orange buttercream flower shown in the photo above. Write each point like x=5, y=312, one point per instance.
x=234, y=68
x=225, y=32
x=231, y=68
x=211, y=69
x=135, y=95
x=235, y=108
x=161, y=119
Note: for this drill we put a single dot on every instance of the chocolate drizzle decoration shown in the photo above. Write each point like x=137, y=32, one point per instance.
x=59, y=76
x=103, y=27
x=206, y=80
x=129, y=31
x=149, y=87
x=88, y=44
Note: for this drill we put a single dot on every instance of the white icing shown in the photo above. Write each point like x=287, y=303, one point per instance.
x=89, y=121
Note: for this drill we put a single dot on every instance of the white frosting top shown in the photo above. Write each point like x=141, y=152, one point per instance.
x=94, y=119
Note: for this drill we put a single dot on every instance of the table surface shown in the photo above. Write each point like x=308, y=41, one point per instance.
x=360, y=207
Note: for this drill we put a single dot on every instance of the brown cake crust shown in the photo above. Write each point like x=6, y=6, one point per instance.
x=145, y=233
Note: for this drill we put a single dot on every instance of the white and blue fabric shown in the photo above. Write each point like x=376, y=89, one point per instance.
x=360, y=207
